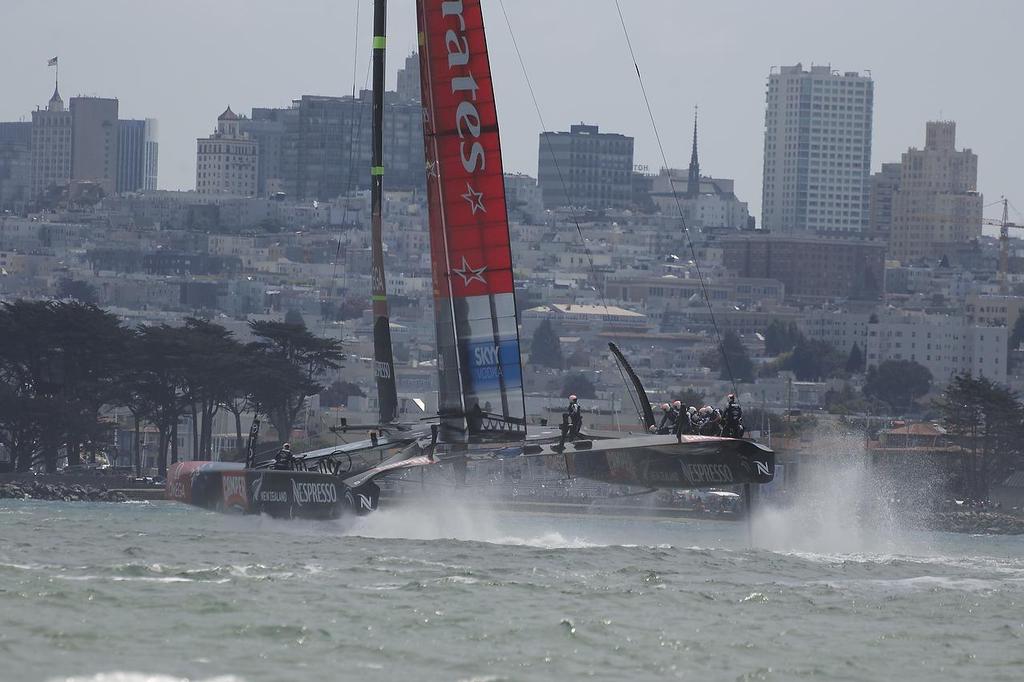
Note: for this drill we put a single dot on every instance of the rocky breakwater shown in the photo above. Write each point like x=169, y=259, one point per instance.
x=978, y=522
x=58, y=492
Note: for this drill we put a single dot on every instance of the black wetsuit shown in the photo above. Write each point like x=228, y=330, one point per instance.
x=733, y=421
x=575, y=419
x=669, y=421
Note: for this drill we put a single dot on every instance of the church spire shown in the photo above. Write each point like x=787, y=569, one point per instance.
x=693, y=181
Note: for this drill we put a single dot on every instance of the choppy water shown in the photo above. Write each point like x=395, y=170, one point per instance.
x=164, y=592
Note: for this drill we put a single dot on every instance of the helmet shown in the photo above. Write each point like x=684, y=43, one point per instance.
x=572, y=398
x=664, y=406
x=732, y=398
x=286, y=447
x=691, y=409
x=678, y=404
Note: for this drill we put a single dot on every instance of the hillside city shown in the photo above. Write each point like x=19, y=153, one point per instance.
x=851, y=303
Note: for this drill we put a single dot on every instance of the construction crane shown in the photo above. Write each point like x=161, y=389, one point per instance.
x=1004, y=245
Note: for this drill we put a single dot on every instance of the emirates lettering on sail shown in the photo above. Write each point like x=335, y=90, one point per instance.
x=480, y=375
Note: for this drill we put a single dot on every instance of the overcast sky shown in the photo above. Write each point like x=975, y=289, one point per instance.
x=183, y=61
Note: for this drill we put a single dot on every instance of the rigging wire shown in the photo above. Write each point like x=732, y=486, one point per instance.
x=558, y=169
x=675, y=196
x=353, y=139
x=565, y=191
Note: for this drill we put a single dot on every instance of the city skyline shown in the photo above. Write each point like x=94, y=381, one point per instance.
x=723, y=66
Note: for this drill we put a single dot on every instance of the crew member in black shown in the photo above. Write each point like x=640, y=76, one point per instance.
x=284, y=458
x=575, y=416
x=733, y=415
x=669, y=419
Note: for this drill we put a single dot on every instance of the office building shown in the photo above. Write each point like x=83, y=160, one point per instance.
x=15, y=164
x=138, y=155
x=94, y=141
x=267, y=128
x=51, y=147
x=937, y=205
x=817, y=150
x=586, y=168
x=883, y=186
x=227, y=161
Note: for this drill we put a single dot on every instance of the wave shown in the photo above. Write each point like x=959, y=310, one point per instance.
x=118, y=676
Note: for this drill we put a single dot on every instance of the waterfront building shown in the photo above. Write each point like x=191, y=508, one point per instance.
x=810, y=266
x=51, y=147
x=937, y=204
x=138, y=155
x=817, y=150
x=596, y=168
x=227, y=161
x=94, y=141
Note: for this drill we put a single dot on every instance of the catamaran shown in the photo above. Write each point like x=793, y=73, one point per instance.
x=481, y=401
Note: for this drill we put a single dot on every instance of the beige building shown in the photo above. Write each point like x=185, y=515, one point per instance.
x=937, y=203
x=51, y=147
x=227, y=162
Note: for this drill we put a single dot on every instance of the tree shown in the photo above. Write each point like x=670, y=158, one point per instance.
x=813, y=360
x=546, y=347
x=293, y=316
x=855, y=360
x=781, y=337
x=690, y=397
x=78, y=290
x=737, y=359
x=294, y=360
x=339, y=392
x=578, y=384
x=986, y=419
x=898, y=383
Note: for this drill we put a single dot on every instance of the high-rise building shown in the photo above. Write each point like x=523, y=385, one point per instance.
x=51, y=147
x=883, y=185
x=409, y=79
x=596, y=168
x=267, y=128
x=15, y=163
x=327, y=145
x=137, y=152
x=937, y=204
x=227, y=161
x=817, y=150
x=94, y=141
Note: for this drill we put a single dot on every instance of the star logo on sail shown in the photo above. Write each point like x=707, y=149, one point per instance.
x=469, y=274
x=432, y=171
x=475, y=199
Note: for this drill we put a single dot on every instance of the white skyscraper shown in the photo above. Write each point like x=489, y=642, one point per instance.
x=227, y=161
x=817, y=150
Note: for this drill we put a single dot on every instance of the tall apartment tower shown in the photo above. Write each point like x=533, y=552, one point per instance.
x=409, y=79
x=596, y=168
x=817, y=150
x=51, y=147
x=227, y=162
x=137, y=152
x=267, y=128
x=94, y=141
x=937, y=204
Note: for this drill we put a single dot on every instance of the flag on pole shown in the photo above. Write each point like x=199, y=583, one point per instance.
x=52, y=62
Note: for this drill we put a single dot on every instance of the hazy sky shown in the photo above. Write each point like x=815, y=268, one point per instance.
x=184, y=61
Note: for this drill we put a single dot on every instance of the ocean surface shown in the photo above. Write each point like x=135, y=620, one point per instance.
x=441, y=591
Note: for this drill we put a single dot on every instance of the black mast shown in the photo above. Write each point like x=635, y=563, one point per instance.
x=384, y=361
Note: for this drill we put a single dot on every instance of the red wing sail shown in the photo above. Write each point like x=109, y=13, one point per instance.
x=480, y=374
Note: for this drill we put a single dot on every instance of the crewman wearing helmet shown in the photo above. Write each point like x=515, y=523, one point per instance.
x=575, y=416
x=284, y=458
x=733, y=419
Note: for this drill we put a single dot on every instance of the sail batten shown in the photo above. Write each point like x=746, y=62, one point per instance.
x=479, y=367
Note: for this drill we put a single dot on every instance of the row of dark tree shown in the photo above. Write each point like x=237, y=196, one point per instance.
x=62, y=363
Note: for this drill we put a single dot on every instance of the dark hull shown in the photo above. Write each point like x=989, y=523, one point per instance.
x=222, y=486
x=663, y=462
